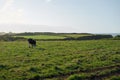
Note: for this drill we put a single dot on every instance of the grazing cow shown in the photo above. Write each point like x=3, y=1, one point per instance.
x=31, y=42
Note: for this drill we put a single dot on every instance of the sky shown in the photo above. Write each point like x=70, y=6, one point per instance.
x=88, y=16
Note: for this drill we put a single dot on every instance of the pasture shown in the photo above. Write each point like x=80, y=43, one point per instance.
x=60, y=60
x=43, y=37
x=49, y=36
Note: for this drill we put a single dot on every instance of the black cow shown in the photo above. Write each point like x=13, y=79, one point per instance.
x=32, y=42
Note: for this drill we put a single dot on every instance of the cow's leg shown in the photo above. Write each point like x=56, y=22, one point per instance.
x=29, y=45
x=32, y=45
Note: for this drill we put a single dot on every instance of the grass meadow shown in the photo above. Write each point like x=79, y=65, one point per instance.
x=43, y=37
x=60, y=60
x=54, y=36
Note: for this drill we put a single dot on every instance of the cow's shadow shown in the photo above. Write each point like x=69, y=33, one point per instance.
x=41, y=49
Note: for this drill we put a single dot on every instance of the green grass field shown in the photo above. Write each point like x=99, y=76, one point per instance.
x=54, y=36
x=59, y=60
x=43, y=37
x=76, y=35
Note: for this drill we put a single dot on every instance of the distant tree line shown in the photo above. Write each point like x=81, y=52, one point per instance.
x=35, y=33
x=91, y=37
x=47, y=33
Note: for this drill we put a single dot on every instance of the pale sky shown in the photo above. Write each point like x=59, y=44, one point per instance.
x=92, y=16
